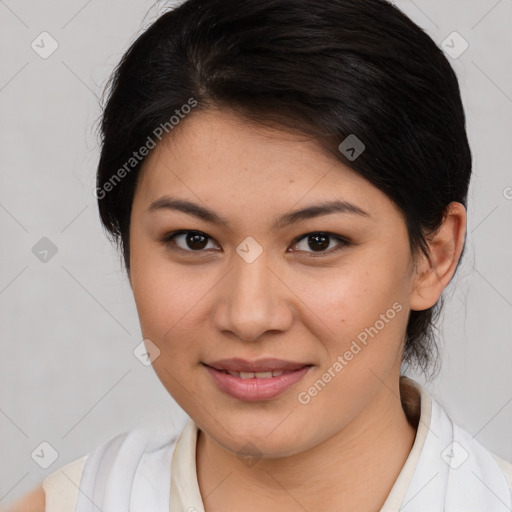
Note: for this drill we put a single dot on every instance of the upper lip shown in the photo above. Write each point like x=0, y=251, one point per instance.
x=260, y=365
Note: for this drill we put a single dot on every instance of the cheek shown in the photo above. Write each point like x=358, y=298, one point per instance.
x=164, y=292
x=360, y=319
x=174, y=304
x=363, y=320
x=165, y=300
x=347, y=302
x=169, y=306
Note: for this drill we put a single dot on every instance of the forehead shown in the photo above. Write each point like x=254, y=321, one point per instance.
x=220, y=158
x=216, y=143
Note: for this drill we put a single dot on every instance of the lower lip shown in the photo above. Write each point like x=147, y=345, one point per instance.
x=252, y=390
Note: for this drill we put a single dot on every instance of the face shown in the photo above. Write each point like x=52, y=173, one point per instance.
x=242, y=275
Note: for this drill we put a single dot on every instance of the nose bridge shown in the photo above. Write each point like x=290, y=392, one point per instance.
x=251, y=300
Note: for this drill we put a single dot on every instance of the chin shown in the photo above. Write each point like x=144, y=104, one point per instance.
x=269, y=437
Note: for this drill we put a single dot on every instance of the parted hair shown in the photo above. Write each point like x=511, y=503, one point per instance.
x=327, y=69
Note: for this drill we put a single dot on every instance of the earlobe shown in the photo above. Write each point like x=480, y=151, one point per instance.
x=445, y=249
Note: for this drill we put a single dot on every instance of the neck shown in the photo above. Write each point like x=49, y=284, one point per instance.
x=356, y=467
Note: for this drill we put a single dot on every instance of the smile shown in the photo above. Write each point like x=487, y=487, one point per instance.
x=257, y=375
x=254, y=386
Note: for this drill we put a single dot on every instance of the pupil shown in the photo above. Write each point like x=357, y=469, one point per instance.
x=321, y=240
x=193, y=241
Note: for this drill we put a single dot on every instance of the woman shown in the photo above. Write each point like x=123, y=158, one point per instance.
x=287, y=180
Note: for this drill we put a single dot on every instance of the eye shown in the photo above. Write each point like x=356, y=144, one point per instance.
x=195, y=241
x=192, y=241
x=319, y=242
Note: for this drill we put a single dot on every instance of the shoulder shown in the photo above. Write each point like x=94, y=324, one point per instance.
x=58, y=491
x=458, y=446
x=478, y=465
x=139, y=452
x=506, y=468
x=62, y=486
x=482, y=454
x=33, y=502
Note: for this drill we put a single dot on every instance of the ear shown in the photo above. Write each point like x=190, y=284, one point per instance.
x=445, y=249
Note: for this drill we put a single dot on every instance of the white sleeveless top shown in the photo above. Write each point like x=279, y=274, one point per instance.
x=150, y=470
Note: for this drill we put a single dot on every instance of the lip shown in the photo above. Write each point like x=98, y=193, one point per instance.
x=268, y=364
x=256, y=389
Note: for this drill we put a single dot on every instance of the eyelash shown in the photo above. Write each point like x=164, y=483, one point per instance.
x=167, y=240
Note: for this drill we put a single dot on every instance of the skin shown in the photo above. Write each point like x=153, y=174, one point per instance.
x=32, y=502
x=200, y=306
x=212, y=304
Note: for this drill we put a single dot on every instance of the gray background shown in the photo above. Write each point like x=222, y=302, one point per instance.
x=68, y=326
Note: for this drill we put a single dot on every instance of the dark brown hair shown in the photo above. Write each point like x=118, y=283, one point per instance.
x=329, y=69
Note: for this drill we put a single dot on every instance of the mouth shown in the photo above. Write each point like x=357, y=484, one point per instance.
x=265, y=365
x=255, y=380
x=255, y=375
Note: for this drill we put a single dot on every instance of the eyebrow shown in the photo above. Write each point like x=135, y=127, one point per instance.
x=309, y=212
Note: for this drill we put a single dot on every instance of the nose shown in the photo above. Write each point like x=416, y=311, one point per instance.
x=252, y=300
